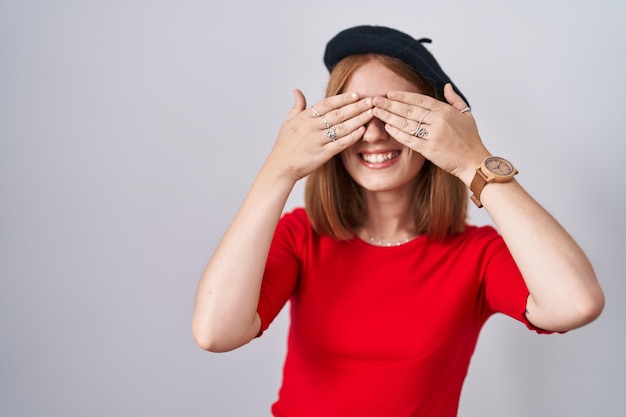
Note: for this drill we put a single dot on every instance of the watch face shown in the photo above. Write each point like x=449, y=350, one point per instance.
x=499, y=166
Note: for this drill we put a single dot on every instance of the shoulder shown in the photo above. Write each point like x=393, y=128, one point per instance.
x=294, y=225
x=479, y=233
x=297, y=214
x=473, y=233
x=297, y=218
x=475, y=239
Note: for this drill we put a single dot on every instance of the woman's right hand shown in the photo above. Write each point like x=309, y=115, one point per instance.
x=303, y=144
x=225, y=314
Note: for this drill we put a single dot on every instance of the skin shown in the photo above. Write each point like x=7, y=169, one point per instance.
x=387, y=185
x=376, y=116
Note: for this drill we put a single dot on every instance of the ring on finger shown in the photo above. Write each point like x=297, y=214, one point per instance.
x=316, y=113
x=420, y=131
x=331, y=133
x=466, y=109
x=326, y=122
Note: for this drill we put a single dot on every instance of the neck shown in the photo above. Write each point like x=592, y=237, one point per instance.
x=389, y=220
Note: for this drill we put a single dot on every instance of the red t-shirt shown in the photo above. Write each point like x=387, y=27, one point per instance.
x=383, y=331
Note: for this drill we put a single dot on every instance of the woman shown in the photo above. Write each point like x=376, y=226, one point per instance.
x=389, y=287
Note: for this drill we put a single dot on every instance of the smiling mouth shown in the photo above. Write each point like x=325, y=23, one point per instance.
x=377, y=158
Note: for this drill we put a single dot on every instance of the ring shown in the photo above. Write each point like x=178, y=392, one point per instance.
x=466, y=109
x=420, y=131
x=315, y=112
x=330, y=133
x=326, y=122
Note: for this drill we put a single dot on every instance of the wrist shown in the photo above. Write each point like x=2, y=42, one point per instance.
x=493, y=169
x=469, y=171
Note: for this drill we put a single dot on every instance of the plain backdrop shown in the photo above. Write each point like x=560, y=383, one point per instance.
x=131, y=130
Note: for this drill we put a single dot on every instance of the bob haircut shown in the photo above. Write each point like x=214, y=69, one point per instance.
x=334, y=202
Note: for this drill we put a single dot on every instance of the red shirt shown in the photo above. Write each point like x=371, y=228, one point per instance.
x=383, y=331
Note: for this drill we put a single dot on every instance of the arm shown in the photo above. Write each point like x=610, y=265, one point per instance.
x=225, y=315
x=564, y=291
x=227, y=296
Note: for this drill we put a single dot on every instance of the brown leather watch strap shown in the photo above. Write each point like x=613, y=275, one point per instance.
x=477, y=185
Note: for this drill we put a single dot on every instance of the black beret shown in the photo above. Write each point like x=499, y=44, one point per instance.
x=386, y=41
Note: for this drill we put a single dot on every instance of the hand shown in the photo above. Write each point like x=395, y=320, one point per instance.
x=305, y=142
x=437, y=130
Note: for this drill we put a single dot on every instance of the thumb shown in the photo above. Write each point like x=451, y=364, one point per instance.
x=453, y=98
x=299, y=103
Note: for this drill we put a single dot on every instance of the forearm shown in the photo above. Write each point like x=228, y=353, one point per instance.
x=225, y=314
x=564, y=291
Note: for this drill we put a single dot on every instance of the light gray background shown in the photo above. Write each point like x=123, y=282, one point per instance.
x=130, y=131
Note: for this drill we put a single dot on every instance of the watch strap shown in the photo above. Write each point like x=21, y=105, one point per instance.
x=478, y=183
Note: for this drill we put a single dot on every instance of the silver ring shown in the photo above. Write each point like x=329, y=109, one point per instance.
x=326, y=122
x=420, y=131
x=466, y=109
x=331, y=133
x=315, y=112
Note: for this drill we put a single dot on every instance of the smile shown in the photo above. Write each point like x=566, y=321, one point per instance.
x=377, y=158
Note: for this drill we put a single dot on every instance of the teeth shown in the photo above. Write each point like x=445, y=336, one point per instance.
x=379, y=157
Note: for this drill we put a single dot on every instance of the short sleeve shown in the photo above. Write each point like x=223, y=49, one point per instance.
x=283, y=265
x=505, y=289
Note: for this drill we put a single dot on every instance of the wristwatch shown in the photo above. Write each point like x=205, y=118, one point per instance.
x=492, y=169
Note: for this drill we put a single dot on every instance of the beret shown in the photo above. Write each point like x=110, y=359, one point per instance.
x=391, y=42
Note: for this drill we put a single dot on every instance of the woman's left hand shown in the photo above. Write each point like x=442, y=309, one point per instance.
x=441, y=132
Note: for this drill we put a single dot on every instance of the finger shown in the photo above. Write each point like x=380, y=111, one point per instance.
x=401, y=109
x=342, y=114
x=403, y=117
x=347, y=112
x=416, y=99
x=299, y=103
x=348, y=126
x=331, y=103
x=336, y=146
x=453, y=98
x=407, y=139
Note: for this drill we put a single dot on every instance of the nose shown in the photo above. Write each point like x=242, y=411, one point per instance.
x=375, y=131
